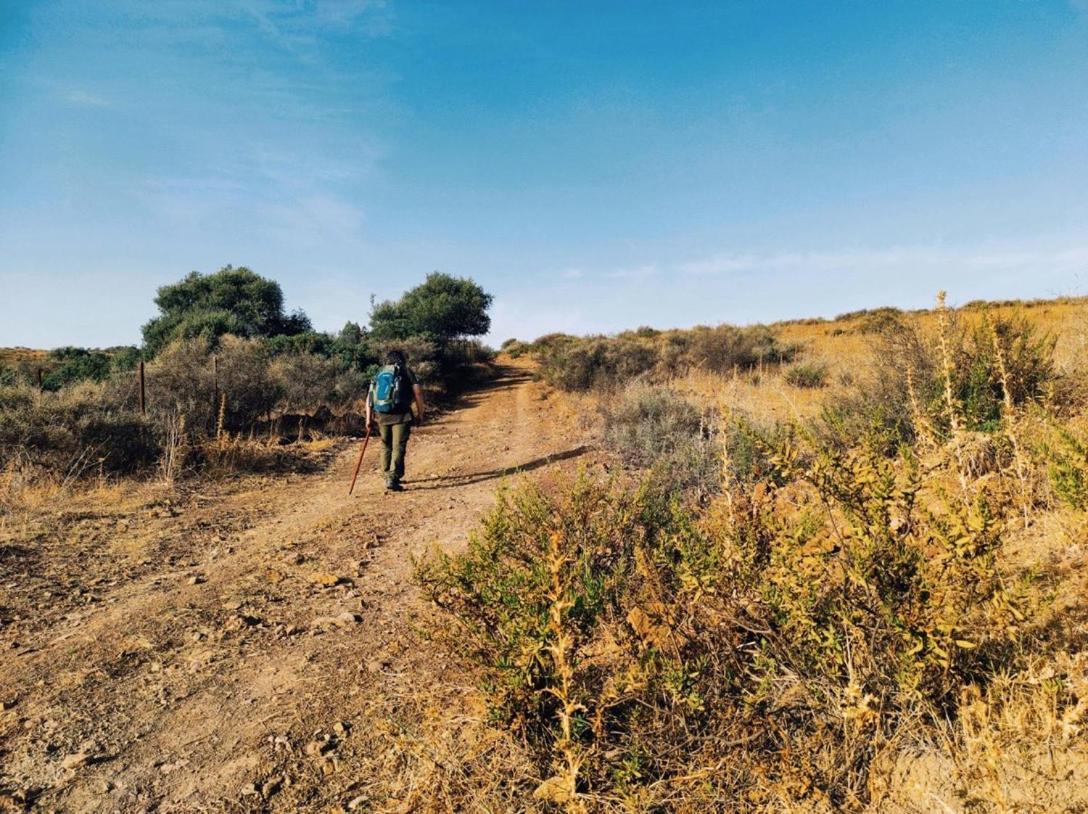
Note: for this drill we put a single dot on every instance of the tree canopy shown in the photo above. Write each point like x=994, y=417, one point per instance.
x=230, y=301
x=440, y=309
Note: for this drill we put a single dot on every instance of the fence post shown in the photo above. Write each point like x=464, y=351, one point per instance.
x=143, y=390
x=215, y=381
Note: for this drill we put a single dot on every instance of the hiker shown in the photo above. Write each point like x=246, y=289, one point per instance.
x=389, y=400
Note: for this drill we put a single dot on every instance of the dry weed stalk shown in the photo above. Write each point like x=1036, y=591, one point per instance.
x=562, y=787
x=949, y=398
x=1007, y=419
x=174, y=449
x=922, y=424
x=221, y=417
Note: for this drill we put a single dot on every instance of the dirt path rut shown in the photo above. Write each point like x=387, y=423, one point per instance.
x=257, y=644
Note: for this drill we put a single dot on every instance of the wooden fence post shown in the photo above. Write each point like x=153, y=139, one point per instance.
x=143, y=390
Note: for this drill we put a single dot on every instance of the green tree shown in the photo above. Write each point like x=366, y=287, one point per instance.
x=75, y=365
x=230, y=301
x=441, y=309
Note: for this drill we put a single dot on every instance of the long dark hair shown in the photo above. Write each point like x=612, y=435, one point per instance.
x=396, y=357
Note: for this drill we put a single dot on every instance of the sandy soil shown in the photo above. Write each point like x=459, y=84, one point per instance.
x=257, y=643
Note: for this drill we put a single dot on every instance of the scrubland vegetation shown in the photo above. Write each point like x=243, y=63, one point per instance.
x=819, y=566
x=842, y=568
x=229, y=378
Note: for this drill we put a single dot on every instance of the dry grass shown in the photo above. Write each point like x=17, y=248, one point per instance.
x=780, y=591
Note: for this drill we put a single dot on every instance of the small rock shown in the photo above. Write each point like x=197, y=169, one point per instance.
x=166, y=768
x=341, y=728
x=325, y=579
x=345, y=619
x=250, y=789
x=242, y=620
x=270, y=787
x=356, y=802
x=554, y=790
x=318, y=747
x=76, y=760
x=196, y=579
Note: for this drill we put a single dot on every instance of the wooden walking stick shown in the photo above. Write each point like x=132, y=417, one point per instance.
x=359, y=463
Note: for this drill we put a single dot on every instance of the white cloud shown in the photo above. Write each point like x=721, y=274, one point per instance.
x=297, y=26
x=633, y=273
x=892, y=260
x=81, y=98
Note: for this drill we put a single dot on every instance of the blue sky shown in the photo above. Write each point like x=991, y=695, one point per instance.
x=595, y=165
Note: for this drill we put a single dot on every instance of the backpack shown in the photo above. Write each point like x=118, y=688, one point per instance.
x=391, y=390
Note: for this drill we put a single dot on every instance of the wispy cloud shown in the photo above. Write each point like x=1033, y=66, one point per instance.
x=82, y=98
x=632, y=273
x=891, y=260
x=296, y=27
x=317, y=216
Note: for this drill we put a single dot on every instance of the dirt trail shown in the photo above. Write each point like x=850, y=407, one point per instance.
x=257, y=645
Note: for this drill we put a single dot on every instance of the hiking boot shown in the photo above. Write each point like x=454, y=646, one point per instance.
x=393, y=486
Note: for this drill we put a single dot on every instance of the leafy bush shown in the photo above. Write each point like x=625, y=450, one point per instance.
x=304, y=381
x=441, y=309
x=874, y=320
x=912, y=376
x=1065, y=453
x=231, y=301
x=595, y=363
x=604, y=363
x=806, y=376
x=76, y=364
x=640, y=643
x=653, y=426
x=76, y=430
x=726, y=348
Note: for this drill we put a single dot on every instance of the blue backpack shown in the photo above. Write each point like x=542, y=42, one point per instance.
x=390, y=390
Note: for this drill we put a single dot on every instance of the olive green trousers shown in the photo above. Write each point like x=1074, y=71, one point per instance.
x=394, y=445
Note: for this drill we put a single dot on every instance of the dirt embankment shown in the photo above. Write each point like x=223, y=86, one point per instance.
x=253, y=644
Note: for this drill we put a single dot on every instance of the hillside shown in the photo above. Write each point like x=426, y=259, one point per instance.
x=688, y=590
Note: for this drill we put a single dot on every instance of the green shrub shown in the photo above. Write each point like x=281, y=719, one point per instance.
x=231, y=301
x=874, y=320
x=304, y=381
x=441, y=309
x=655, y=427
x=905, y=359
x=595, y=363
x=605, y=363
x=806, y=376
x=76, y=430
x=1065, y=456
x=726, y=348
x=639, y=643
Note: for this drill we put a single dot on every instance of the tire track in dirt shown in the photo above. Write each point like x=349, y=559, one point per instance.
x=268, y=667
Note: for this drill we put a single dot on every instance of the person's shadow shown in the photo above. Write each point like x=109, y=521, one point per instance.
x=451, y=481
